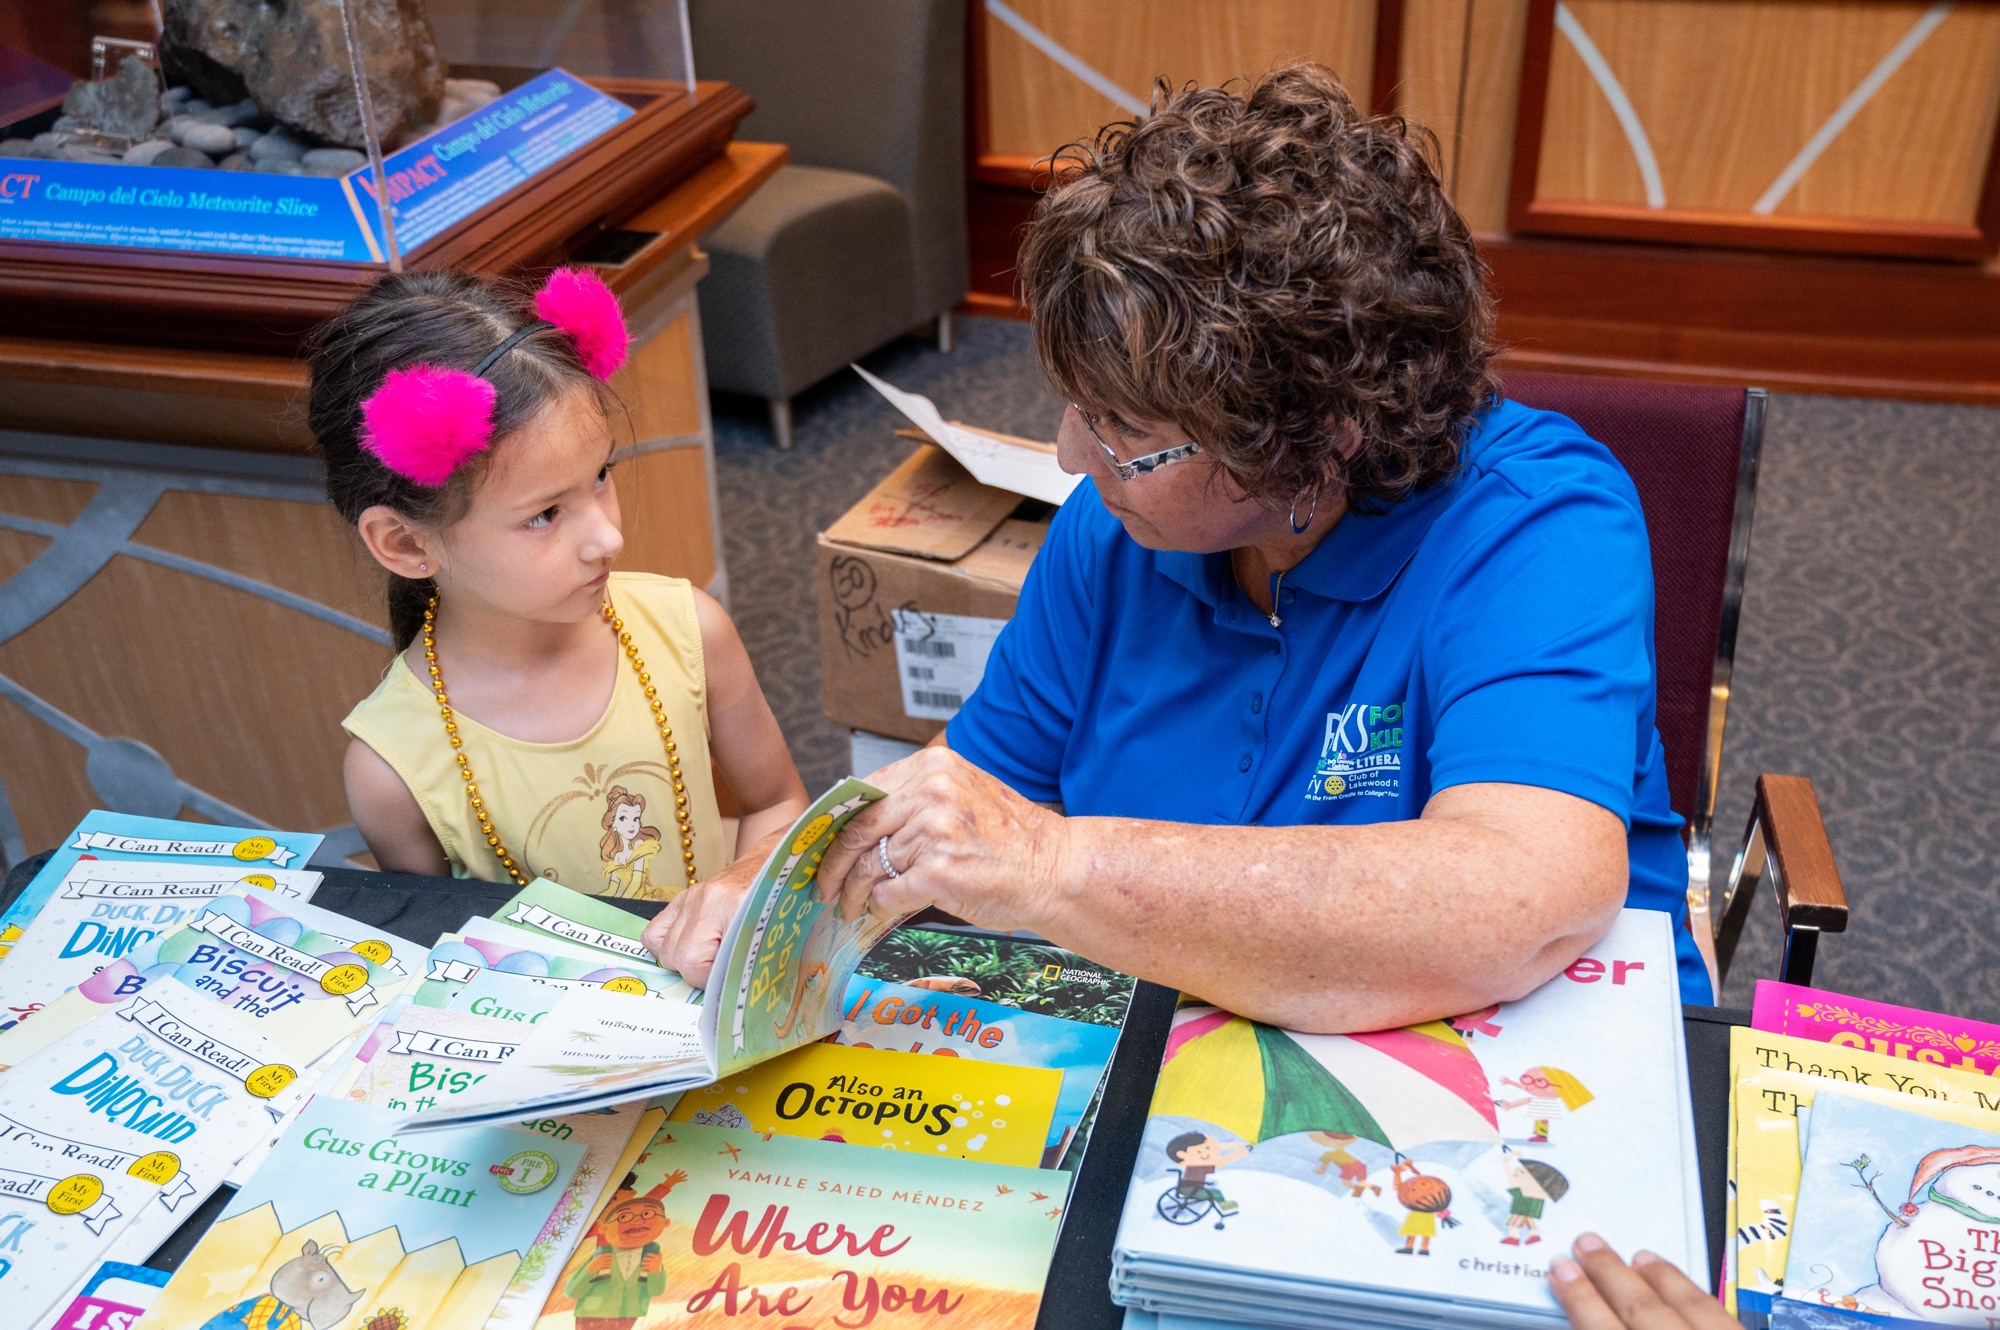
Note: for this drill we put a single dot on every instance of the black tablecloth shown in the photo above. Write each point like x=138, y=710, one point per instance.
x=1076, y=1298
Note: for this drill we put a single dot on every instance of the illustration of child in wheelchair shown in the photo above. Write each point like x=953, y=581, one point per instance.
x=1194, y=1198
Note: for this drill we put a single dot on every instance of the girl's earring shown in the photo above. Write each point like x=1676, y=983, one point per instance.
x=423, y=568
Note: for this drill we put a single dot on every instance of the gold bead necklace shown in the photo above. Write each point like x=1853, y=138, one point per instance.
x=681, y=814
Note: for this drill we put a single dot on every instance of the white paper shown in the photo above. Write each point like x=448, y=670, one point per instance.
x=1027, y=471
x=940, y=659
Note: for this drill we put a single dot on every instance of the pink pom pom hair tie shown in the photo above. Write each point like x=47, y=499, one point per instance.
x=578, y=302
x=425, y=420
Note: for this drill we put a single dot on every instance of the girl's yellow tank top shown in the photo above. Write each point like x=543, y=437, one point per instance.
x=595, y=814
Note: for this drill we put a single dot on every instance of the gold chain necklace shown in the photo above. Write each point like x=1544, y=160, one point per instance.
x=681, y=814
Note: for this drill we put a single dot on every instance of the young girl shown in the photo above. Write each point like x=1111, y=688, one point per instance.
x=542, y=706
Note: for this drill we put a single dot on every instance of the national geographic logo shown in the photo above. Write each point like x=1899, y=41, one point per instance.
x=1069, y=974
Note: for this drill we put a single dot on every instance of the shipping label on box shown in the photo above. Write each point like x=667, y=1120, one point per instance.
x=940, y=659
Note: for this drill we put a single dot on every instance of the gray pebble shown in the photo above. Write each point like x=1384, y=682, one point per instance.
x=142, y=154
x=194, y=104
x=245, y=136
x=17, y=148
x=66, y=124
x=180, y=92
x=49, y=139
x=280, y=166
x=184, y=157
x=248, y=110
x=47, y=152
x=215, y=140
x=77, y=152
x=277, y=146
x=238, y=161
x=226, y=116
x=333, y=161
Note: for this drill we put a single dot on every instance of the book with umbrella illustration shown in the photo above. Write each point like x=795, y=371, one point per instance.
x=1284, y=1177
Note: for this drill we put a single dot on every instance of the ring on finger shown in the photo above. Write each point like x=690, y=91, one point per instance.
x=882, y=853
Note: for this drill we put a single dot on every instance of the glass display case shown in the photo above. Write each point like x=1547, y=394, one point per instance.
x=246, y=165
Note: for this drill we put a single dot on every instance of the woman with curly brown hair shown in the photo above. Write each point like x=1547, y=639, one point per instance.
x=1339, y=667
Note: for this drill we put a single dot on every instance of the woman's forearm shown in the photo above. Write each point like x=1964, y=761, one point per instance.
x=1345, y=928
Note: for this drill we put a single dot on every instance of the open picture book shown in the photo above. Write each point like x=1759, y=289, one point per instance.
x=778, y=980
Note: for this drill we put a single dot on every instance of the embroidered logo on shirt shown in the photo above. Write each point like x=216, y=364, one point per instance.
x=1361, y=756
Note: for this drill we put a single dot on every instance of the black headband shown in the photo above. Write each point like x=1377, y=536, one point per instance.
x=520, y=335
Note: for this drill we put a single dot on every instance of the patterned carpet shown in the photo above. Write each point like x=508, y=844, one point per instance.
x=1869, y=658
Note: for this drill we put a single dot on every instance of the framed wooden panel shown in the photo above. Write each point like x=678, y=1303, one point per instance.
x=1045, y=73
x=1859, y=126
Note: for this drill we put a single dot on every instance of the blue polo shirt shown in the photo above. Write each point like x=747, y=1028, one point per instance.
x=1496, y=628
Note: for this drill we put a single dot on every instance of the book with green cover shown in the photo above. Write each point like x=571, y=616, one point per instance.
x=348, y=1225
x=779, y=974
x=555, y=911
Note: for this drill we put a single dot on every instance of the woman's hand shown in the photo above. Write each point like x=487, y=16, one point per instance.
x=687, y=934
x=959, y=839
x=1600, y=1292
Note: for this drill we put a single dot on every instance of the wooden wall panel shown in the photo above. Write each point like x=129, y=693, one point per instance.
x=1730, y=92
x=1437, y=50
x=658, y=385
x=304, y=548
x=1034, y=106
x=666, y=530
x=17, y=548
x=46, y=785
x=242, y=697
x=44, y=498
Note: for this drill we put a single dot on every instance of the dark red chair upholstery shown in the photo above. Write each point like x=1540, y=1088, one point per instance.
x=1692, y=452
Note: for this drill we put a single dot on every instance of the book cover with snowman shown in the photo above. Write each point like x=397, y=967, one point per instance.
x=1447, y=1162
x=1898, y=1215
x=346, y=1227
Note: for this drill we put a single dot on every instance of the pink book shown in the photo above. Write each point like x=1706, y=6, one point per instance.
x=1899, y=1032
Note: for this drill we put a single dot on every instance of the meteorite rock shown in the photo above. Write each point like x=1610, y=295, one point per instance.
x=126, y=104
x=292, y=59
x=184, y=156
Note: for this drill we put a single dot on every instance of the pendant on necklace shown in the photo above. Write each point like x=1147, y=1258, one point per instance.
x=1276, y=622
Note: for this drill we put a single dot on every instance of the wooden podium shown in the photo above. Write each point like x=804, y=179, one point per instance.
x=184, y=620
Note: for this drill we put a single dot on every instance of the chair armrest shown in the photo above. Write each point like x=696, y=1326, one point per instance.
x=1787, y=840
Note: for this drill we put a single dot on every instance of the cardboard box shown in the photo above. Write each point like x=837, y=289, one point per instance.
x=914, y=582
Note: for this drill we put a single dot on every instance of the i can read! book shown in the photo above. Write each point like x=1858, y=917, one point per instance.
x=716, y=1228
x=348, y=1225
x=553, y=910
x=304, y=977
x=103, y=910
x=487, y=944
x=122, y=836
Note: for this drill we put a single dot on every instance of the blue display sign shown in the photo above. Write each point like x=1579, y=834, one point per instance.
x=433, y=185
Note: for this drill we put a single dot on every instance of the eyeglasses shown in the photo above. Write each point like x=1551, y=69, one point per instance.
x=1138, y=466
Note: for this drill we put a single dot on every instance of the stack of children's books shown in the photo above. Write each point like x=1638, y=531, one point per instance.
x=1864, y=1173
x=1417, y=1177
x=485, y=1132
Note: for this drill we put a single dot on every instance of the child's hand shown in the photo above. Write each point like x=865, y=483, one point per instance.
x=687, y=934
x=1600, y=1292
